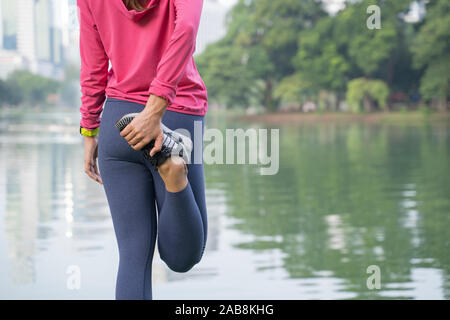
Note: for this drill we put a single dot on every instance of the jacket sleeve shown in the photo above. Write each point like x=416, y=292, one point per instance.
x=94, y=68
x=179, y=50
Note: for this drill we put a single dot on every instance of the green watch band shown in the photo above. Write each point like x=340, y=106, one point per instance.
x=88, y=133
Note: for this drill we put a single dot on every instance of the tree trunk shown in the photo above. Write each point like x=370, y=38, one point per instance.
x=268, y=98
x=367, y=104
x=389, y=77
x=442, y=104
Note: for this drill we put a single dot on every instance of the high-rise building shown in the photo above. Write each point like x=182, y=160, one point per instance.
x=24, y=16
x=1, y=26
x=59, y=26
x=10, y=58
x=8, y=12
x=33, y=30
x=71, y=39
x=42, y=29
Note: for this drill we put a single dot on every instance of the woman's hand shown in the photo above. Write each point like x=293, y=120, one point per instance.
x=90, y=158
x=146, y=126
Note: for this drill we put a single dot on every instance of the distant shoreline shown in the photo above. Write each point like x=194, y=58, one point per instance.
x=340, y=117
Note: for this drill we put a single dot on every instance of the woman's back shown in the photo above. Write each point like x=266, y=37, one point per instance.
x=150, y=53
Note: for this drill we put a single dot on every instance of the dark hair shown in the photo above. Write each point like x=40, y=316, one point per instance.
x=138, y=5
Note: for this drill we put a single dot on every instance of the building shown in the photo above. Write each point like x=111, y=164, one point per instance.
x=31, y=36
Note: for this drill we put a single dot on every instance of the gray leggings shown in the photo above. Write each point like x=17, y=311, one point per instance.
x=136, y=193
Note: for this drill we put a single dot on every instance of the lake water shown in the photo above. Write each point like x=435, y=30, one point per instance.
x=346, y=197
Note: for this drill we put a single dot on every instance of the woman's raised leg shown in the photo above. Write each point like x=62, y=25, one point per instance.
x=182, y=215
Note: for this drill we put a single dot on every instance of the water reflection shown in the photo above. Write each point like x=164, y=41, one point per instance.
x=351, y=196
x=347, y=196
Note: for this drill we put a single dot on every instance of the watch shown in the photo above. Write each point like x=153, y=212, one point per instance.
x=89, y=133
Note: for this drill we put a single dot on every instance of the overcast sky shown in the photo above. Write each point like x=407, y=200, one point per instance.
x=331, y=5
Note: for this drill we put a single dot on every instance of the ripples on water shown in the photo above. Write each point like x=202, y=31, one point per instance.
x=346, y=197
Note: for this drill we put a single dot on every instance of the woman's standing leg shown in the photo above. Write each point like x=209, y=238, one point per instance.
x=182, y=216
x=129, y=189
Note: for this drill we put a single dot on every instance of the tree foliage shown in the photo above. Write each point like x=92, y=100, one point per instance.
x=291, y=51
x=256, y=53
x=365, y=94
x=24, y=86
x=432, y=52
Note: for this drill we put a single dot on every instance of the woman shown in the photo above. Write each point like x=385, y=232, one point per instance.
x=150, y=46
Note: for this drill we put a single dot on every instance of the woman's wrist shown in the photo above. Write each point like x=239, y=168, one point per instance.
x=156, y=106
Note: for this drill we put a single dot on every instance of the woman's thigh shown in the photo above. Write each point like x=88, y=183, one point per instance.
x=128, y=184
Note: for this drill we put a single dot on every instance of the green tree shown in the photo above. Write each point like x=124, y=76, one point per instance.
x=33, y=88
x=294, y=89
x=279, y=23
x=432, y=52
x=318, y=60
x=9, y=93
x=230, y=81
x=366, y=93
x=256, y=52
x=340, y=48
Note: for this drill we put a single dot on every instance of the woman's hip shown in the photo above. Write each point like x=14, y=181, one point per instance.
x=112, y=145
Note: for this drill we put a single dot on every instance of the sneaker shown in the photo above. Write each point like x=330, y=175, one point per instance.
x=174, y=143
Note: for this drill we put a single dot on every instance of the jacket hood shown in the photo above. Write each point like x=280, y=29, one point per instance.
x=133, y=14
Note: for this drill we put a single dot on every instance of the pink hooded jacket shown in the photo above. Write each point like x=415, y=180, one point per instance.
x=151, y=52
